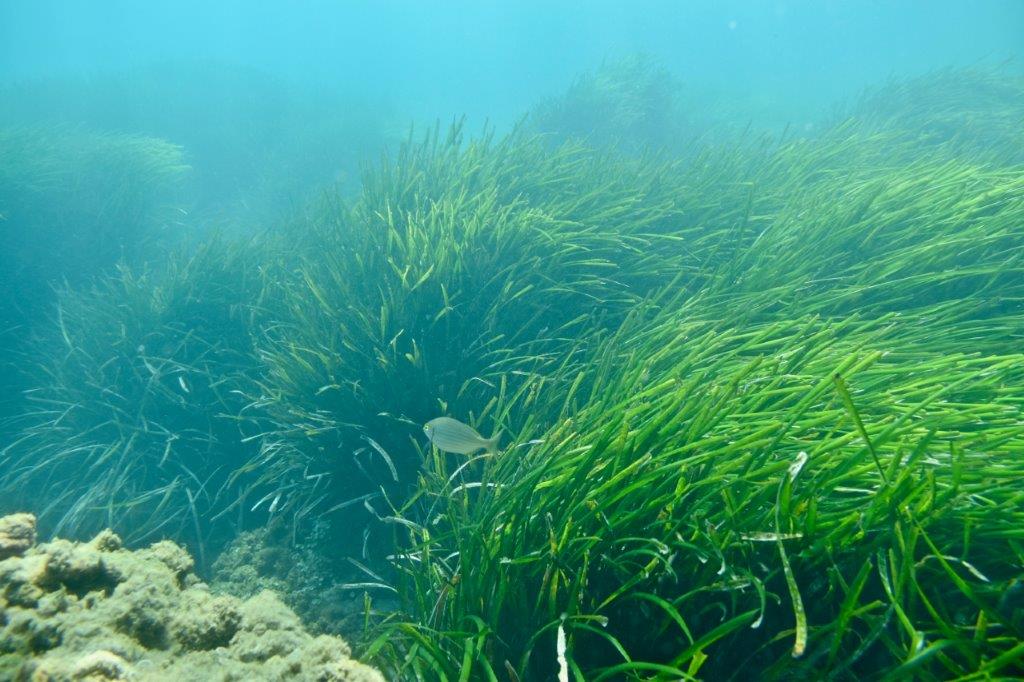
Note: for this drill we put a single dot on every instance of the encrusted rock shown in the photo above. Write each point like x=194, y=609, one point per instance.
x=95, y=612
x=107, y=541
x=17, y=534
x=268, y=629
x=78, y=568
x=206, y=621
x=101, y=665
x=174, y=557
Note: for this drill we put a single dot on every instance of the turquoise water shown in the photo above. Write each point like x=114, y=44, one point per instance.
x=494, y=60
x=662, y=250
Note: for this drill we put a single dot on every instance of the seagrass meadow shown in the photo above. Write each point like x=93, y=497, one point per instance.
x=795, y=454
x=761, y=394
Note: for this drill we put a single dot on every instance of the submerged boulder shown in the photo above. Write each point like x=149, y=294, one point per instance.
x=96, y=611
x=17, y=534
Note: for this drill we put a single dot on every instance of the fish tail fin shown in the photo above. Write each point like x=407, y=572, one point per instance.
x=491, y=444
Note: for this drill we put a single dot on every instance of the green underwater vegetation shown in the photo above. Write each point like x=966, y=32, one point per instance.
x=259, y=145
x=435, y=288
x=76, y=201
x=73, y=203
x=131, y=392
x=975, y=110
x=629, y=103
x=762, y=401
x=804, y=460
x=635, y=104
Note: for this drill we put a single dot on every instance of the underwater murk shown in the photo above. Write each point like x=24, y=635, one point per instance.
x=511, y=341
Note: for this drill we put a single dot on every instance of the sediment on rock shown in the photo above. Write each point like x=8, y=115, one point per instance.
x=96, y=611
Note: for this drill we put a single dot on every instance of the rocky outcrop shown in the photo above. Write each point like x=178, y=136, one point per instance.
x=96, y=611
x=310, y=582
x=17, y=534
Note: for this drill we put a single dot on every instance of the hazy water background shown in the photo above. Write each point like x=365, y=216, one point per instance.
x=270, y=103
x=272, y=100
x=492, y=60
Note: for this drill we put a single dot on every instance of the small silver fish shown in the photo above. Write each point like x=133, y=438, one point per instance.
x=451, y=435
